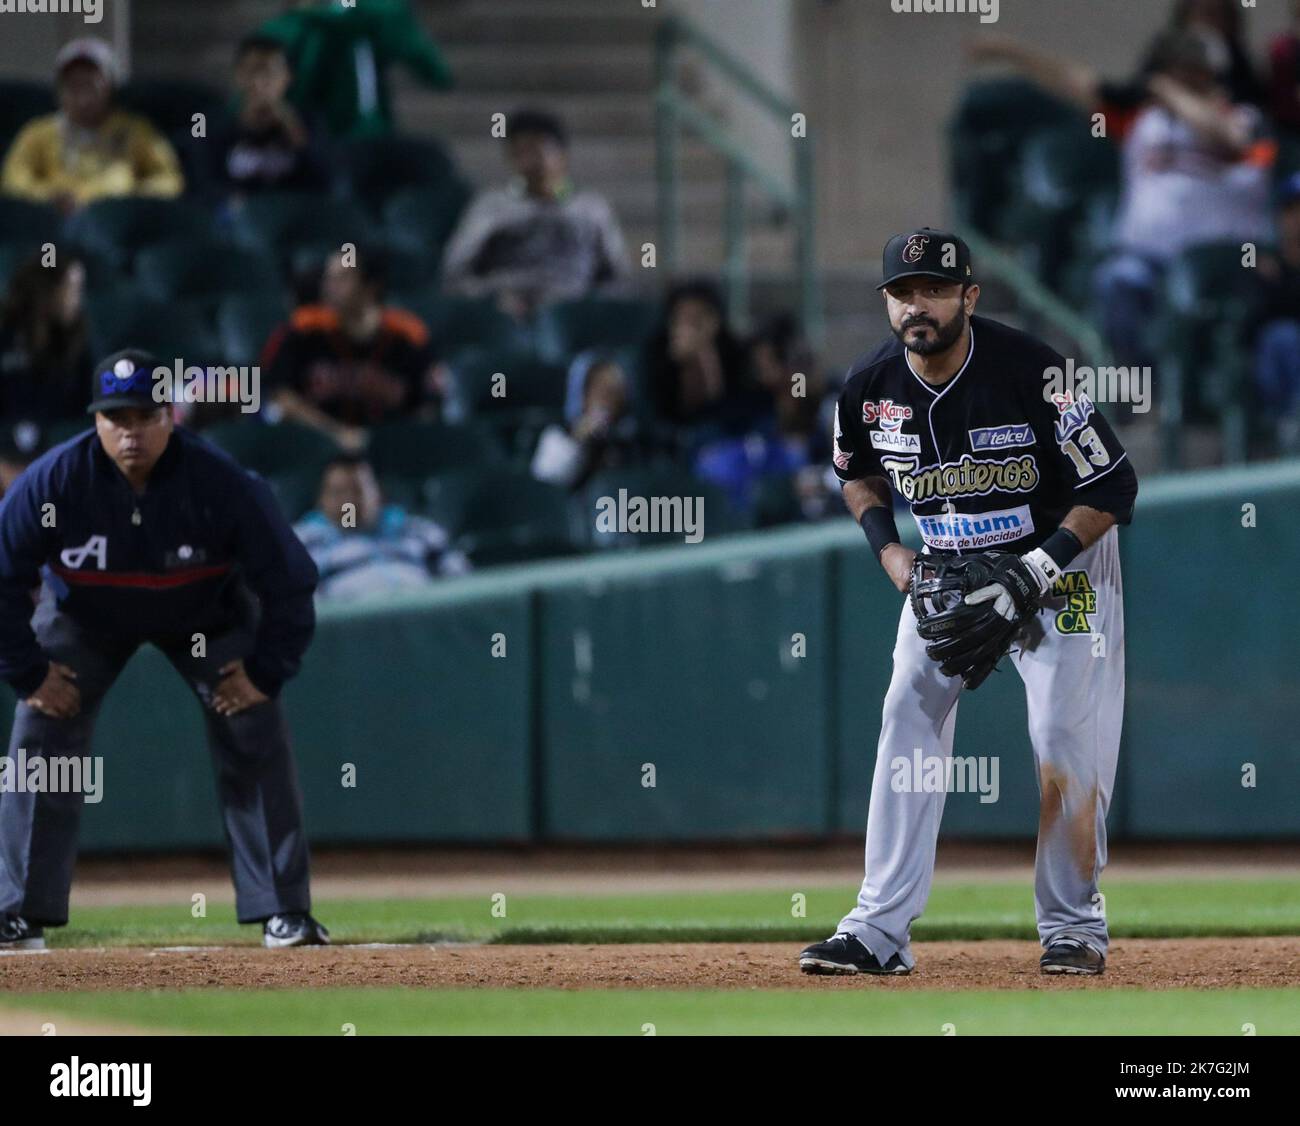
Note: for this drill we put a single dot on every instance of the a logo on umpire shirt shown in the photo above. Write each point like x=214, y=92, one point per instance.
x=94, y=548
x=184, y=556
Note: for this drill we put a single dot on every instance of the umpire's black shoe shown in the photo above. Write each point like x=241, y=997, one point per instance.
x=844, y=954
x=294, y=929
x=1070, y=956
x=16, y=933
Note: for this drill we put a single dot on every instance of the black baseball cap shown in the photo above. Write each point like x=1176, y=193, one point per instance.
x=125, y=379
x=938, y=254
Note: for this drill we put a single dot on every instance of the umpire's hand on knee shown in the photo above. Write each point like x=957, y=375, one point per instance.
x=235, y=692
x=57, y=696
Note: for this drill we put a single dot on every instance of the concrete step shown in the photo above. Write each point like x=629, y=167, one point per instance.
x=531, y=24
x=587, y=114
x=614, y=161
x=562, y=68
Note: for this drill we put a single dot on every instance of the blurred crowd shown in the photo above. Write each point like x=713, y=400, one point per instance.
x=1206, y=160
x=471, y=365
x=419, y=339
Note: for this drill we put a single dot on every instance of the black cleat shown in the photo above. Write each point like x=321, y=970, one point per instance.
x=844, y=954
x=1071, y=956
x=294, y=929
x=16, y=933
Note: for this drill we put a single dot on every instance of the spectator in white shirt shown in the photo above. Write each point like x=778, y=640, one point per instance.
x=1196, y=170
x=540, y=238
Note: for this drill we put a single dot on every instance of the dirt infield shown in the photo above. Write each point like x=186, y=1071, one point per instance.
x=1140, y=963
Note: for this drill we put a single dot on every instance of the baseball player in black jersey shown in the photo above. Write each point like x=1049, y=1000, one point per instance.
x=967, y=421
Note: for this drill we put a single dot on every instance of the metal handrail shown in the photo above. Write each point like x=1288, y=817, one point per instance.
x=1036, y=297
x=675, y=114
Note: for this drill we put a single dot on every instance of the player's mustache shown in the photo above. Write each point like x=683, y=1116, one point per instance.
x=913, y=322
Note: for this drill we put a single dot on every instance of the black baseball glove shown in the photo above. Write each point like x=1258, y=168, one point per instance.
x=969, y=608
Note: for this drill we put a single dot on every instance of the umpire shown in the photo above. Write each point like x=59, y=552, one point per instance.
x=142, y=532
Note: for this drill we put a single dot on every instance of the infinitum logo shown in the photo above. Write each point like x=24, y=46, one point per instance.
x=956, y=531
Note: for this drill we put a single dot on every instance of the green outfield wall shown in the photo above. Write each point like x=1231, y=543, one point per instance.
x=731, y=690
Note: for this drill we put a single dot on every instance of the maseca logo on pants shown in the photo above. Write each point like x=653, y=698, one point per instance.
x=94, y=548
x=1080, y=602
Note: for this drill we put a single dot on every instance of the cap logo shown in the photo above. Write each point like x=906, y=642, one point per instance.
x=125, y=377
x=914, y=251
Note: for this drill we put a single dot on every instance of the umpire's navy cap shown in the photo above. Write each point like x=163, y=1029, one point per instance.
x=938, y=254
x=124, y=379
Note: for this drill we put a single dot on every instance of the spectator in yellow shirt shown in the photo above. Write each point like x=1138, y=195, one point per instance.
x=89, y=149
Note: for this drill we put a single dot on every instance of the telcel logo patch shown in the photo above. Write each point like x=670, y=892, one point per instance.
x=999, y=437
x=888, y=413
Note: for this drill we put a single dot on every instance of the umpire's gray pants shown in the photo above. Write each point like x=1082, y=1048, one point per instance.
x=256, y=781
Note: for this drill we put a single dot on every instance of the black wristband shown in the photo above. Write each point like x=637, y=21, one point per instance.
x=1062, y=545
x=878, y=523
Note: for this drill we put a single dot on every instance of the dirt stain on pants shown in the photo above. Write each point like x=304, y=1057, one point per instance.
x=1078, y=809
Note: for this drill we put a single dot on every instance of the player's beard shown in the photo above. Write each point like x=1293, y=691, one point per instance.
x=945, y=335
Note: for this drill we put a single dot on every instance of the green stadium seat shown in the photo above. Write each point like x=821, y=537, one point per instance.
x=407, y=269
x=994, y=119
x=273, y=451
x=401, y=490
x=376, y=168
x=11, y=257
x=20, y=102
x=503, y=516
x=417, y=450
x=1063, y=172
x=533, y=396
x=422, y=219
x=285, y=221
x=118, y=229
x=204, y=271
x=1209, y=297
x=245, y=324
x=527, y=383
x=125, y=318
x=412, y=269
x=28, y=225
x=461, y=323
x=569, y=327
x=170, y=104
x=775, y=502
x=295, y=490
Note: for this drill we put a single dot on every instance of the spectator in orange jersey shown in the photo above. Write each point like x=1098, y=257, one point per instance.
x=347, y=363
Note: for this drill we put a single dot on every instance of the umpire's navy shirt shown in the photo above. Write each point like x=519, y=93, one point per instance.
x=208, y=531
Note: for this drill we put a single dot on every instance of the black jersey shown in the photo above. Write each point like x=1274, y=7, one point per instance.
x=992, y=459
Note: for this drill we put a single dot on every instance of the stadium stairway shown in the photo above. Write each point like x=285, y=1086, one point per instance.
x=591, y=61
